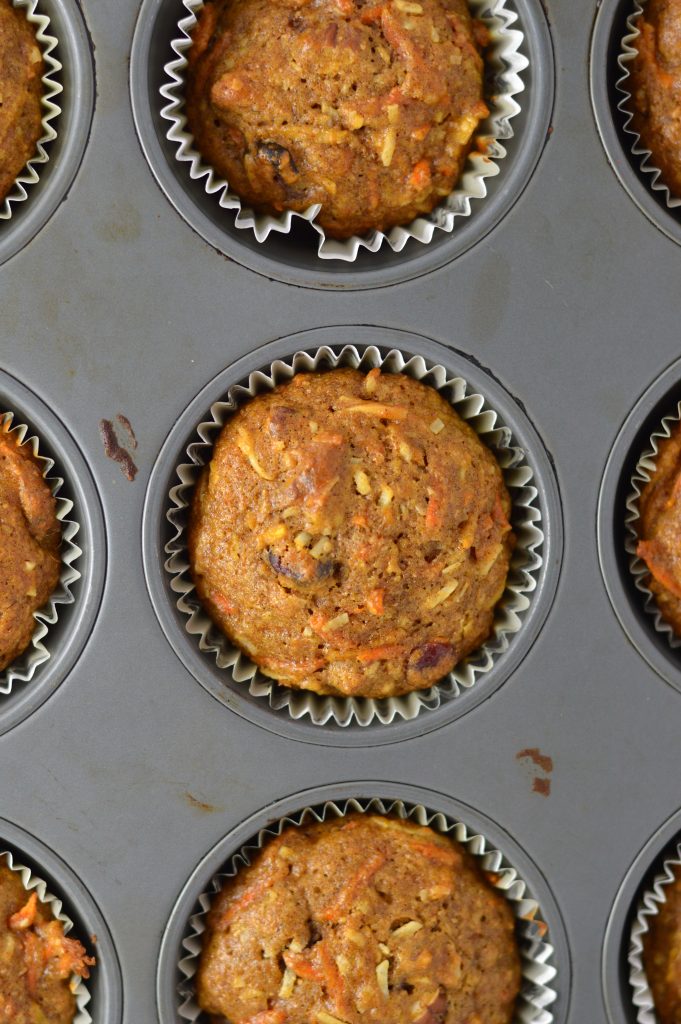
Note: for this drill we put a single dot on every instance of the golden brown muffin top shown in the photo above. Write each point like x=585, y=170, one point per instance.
x=662, y=955
x=351, y=533
x=30, y=536
x=356, y=919
x=21, y=68
x=660, y=529
x=37, y=960
x=656, y=87
x=367, y=108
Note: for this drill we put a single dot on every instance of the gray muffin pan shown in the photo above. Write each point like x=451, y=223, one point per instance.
x=129, y=772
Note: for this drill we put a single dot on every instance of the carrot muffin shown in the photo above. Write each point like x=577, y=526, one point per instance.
x=367, y=108
x=30, y=536
x=37, y=961
x=662, y=956
x=21, y=70
x=357, y=919
x=656, y=87
x=351, y=534
x=660, y=529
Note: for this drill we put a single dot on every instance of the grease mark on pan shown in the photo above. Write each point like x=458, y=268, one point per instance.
x=117, y=444
x=539, y=766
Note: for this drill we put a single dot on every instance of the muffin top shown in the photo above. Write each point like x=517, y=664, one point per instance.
x=21, y=70
x=37, y=961
x=660, y=529
x=30, y=536
x=362, y=918
x=656, y=87
x=662, y=955
x=351, y=534
x=367, y=108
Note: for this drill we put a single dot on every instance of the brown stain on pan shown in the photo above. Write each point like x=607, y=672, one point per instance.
x=117, y=447
x=201, y=805
x=540, y=767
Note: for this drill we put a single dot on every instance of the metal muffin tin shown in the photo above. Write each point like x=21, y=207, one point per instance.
x=558, y=296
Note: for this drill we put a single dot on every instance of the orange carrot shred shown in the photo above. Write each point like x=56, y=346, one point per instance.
x=384, y=653
x=375, y=601
x=352, y=886
x=436, y=853
x=333, y=981
x=25, y=917
x=301, y=966
x=420, y=176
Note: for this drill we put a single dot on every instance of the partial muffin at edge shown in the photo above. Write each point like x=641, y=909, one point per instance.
x=351, y=534
x=21, y=71
x=662, y=955
x=368, y=109
x=660, y=529
x=355, y=919
x=30, y=538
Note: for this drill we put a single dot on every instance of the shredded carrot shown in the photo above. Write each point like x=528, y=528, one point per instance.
x=499, y=514
x=436, y=853
x=352, y=887
x=25, y=917
x=360, y=520
x=384, y=653
x=349, y=825
x=372, y=15
x=221, y=602
x=375, y=601
x=245, y=900
x=434, y=512
x=332, y=980
x=301, y=966
x=420, y=176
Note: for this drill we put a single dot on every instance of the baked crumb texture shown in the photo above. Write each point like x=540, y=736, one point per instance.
x=21, y=71
x=364, y=918
x=656, y=88
x=662, y=955
x=351, y=534
x=367, y=108
x=660, y=529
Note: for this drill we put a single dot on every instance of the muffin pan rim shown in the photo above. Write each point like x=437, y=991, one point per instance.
x=217, y=681
x=76, y=620
x=532, y=126
x=169, y=952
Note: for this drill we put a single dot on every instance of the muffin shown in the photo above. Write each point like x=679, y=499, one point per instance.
x=351, y=534
x=356, y=919
x=656, y=88
x=21, y=71
x=37, y=961
x=660, y=529
x=662, y=955
x=369, y=109
x=30, y=537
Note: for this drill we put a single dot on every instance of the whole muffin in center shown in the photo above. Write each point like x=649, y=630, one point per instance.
x=21, y=69
x=367, y=108
x=360, y=919
x=351, y=534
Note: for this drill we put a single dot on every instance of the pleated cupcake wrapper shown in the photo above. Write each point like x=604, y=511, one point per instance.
x=650, y=905
x=23, y=668
x=645, y=468
x=525, y=565
x=503, y=60
x=538, y=972
x=644, y=157
x=30, y=883
x=51, y=110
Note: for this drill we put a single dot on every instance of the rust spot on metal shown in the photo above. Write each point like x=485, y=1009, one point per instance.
x=114, y=450
x=540, y=767
x=201, y=805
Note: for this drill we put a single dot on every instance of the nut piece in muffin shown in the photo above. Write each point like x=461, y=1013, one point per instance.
x=662, y=955
x=21, y=71
x=30, y=537
x=660, y=529
x=656, y=88
x=351, y=534
x=37, y=961
x=356, y=919
x=367, y=108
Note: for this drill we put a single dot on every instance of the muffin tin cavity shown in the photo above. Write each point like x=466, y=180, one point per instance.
x=609, y=86
x=101, y=1001
x=541, y=936
x=71, y=125
x=63, y=626
x=292, y=256
x=623, y=573
x=536, y=517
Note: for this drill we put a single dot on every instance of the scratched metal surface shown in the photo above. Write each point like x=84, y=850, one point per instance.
x=130, y=772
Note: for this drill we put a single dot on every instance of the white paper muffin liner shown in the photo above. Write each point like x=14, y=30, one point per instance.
x=650, y=904
x=536, y=952
x=51, y=89
x=525, y=563
x=645, y=468
x=628, y=54
x=502, y=58
x=31, y=882
x=23, y=668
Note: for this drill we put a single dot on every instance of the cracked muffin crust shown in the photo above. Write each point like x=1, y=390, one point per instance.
x=21, y=70
x=656, y=87
x=351, y=534
x=662, y=955
x=30, y=537
x=37, y=961
x=367, y=108
x=362, y=918
x=660, y=529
